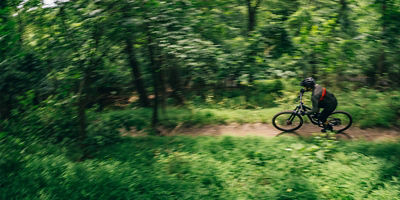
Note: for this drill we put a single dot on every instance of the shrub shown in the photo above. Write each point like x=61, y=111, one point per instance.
x=371, y=108
x=52, y=122
x=203, y=168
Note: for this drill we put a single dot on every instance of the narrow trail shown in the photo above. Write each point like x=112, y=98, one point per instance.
x=267, y=130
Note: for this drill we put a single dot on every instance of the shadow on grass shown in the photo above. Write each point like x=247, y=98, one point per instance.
x=339, y=136
x=343, y=135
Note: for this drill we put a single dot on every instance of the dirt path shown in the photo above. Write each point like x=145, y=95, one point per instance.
x=267, y=130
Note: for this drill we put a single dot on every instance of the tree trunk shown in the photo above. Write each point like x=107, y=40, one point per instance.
x=252, y=19
x=381, y=61
x=136, y=74
x=162, y=86
x=252, y=12
x=381, y=68
x=313, y=63
x=85, y=91
x=155, y=75
x=82, y=101
x=344, y=18
x=176, y=85
x=20, y=31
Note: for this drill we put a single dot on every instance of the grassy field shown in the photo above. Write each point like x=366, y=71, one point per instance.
x=204, y=168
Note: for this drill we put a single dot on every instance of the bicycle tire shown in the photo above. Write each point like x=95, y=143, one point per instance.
x=349, y=119
x=289, y=113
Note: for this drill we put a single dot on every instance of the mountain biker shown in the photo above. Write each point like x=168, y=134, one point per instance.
x=320, y=98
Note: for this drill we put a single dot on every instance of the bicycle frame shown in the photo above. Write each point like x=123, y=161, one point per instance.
x=301, y=109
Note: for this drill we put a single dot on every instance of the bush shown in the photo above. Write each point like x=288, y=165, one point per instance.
x=259, y=94
x=189, y=117
x=204, y=168
x=52, y=122
x=371, y=108
x=268, y=86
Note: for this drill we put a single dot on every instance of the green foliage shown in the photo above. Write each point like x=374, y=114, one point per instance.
x=204, y=168
x=371, y=108
x=51, y=121
x=110, y=123
x=259, y=94
x=113, y=120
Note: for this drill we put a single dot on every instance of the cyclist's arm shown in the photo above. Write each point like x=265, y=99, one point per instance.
x=317, y=93
x=315, y=107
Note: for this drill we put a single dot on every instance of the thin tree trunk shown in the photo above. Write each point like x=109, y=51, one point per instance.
x=81, y=109
x=252, y=13
x=344, y=18
x=136, y=74
x=155, y=71
x=20, y=31
x=84, y=91
x=251, y=24
x=252, y=19
x=313, y=64
x=382, y=57
x=82, y=117
x=162, y=86
x=175, y=83
x=381, y=61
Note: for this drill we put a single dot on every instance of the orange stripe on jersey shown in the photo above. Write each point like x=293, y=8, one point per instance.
x=323, y=94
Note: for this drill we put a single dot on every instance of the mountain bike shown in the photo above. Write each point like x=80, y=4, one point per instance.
x=293, y=120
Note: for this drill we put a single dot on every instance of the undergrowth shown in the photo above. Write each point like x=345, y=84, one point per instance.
x=204, y=168
x=367, y=107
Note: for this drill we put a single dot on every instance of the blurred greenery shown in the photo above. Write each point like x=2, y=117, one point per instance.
x=75, y=74
x=204, y=168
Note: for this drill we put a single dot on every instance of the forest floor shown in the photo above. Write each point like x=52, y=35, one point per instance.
x=267, y=130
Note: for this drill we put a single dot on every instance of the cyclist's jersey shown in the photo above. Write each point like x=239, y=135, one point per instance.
x=321, y=98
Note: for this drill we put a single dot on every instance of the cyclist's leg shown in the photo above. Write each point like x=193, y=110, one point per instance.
x=327, y=111
x=324, y=115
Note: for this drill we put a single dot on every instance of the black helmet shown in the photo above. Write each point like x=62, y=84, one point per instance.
x=308, y=82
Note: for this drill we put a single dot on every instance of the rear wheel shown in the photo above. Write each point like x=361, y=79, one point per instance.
x=287, y=121
x=340, y=121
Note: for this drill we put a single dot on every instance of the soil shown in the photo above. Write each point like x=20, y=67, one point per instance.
x=267, y=130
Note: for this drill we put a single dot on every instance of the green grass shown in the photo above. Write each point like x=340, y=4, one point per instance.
x=368, y=108
x=204, y=168
x=201, y=116
x=172, y=117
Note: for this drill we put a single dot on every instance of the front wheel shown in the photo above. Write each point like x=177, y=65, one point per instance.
x=340, y=121
x=287, y=121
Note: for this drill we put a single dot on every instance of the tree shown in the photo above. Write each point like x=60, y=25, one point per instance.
x=252, y=7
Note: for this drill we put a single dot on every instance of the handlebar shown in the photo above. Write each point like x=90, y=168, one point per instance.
x=300, y=97
x=302, y=107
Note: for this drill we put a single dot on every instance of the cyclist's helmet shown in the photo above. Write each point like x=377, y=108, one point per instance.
x=308, y=82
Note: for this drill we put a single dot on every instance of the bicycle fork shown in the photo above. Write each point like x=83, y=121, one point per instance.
x=292, y=116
